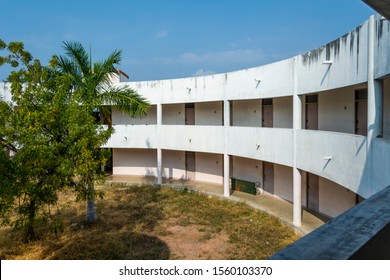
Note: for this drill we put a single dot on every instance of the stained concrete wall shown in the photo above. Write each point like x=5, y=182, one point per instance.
x=336, y=110
x=386, y=108
x=382, y=47
x=247, y=113
x=209, y=168
x=137, y=162
x=283, y=112
x=283, y=182
x=173, y=114
x=247, y=169
x=120, y=118
x=208, y=113
x=333, y=198
x=173, y=164
x=349, y=58
x=267, y=144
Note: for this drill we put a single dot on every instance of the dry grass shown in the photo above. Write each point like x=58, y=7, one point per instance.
x=143, y=222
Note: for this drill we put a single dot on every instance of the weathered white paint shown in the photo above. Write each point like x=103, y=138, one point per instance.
x=349, y=63
x=267, y=144
x=333, y=198
x=247, y=113
x=208, y=113
x=386, y=111
x=193, y=138
x=209, y=167
x=138, y=162
x=173, y=164
x=336, y=110
x=173, y=114
x=347, y=152
x=226, y=156
x=248, y=169
x=283, y=182
x=133, y=136
x=121, y=118
x=283, y=112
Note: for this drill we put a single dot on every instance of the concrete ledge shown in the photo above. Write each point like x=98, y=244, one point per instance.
x=363, y=232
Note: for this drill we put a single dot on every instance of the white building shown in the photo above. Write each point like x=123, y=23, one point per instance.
x=313, y=129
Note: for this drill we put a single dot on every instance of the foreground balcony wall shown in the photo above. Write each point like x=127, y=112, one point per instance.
x=267, y=144
x=193, y=138
x=133, y=136
x=338, y=157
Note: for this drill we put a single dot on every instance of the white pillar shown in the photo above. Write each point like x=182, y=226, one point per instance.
x=374, y=90
x=226, y=175
x=297, y=204
x=297, y=178
x=226, y=161
x=159, y=151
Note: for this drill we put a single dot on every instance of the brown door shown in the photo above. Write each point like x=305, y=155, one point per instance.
x=361, y=112
x=311, y=112
x=190, y=114
x=190, y=166
x=267, y=108
x=313, y=195
x=268, y=177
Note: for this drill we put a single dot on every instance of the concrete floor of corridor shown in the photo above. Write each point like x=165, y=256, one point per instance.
x=275, y=206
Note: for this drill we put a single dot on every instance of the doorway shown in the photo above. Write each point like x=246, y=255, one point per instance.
x=190, y=114
x=312, y=112
x=190, y=165
x=313, y=194
x=268, y=177
x=361, y=112
x=267, y=113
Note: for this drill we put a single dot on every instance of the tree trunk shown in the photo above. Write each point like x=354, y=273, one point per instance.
x=30, y=229
x=91, y=212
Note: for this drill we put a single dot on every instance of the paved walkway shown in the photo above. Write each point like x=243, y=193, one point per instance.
x=268, y=203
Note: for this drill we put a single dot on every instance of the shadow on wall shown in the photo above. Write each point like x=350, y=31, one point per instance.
x=149, y=172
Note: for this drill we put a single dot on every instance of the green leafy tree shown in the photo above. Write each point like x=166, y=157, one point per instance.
x=49, y=137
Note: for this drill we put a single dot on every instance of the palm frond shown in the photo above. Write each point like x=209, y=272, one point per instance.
x=67, y=66
x=104, y=69
x=127, y=100
x=79, y=56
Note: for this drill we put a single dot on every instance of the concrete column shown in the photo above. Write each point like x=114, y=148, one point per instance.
x=374, y=90
x=297, y=197
x=226, y=175
x=159, y=151
x=297, y=178
x=226, y=162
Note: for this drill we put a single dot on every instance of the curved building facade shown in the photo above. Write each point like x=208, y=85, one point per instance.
x=313, y=129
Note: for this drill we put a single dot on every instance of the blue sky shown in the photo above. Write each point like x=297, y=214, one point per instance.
x=180, y=38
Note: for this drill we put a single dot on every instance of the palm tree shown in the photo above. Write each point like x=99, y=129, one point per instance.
x=92, y=82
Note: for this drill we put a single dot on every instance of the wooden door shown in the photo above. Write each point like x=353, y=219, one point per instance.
x=313, y=194
x=190, y=165
x=311, y=112
x=190, y=114
x=268, y=177
x=361, y=117
x=267, y=113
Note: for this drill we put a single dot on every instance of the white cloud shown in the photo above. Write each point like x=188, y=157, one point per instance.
x=161, y=34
